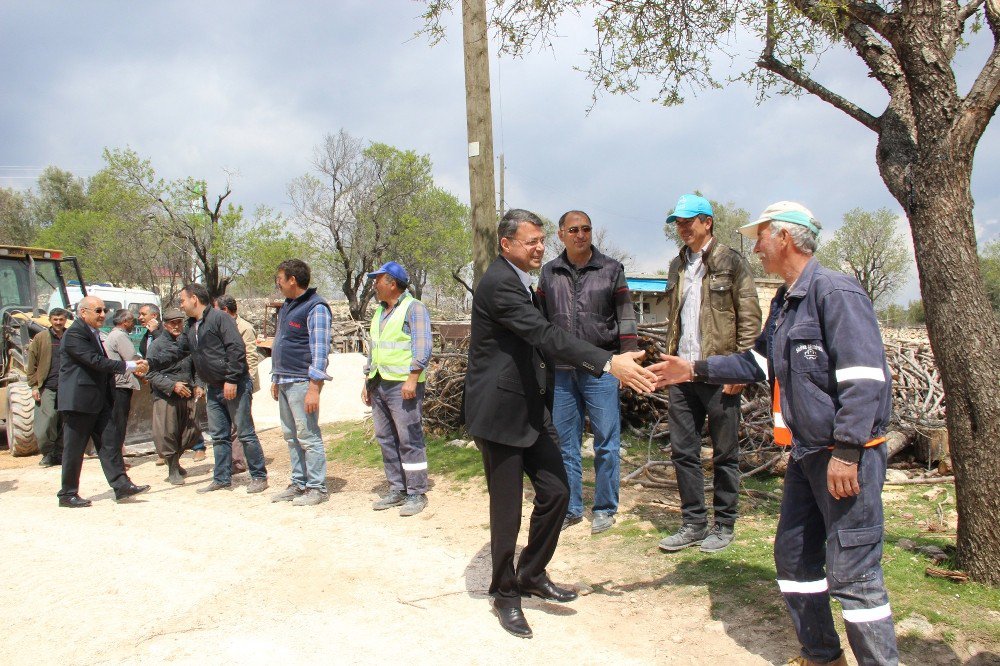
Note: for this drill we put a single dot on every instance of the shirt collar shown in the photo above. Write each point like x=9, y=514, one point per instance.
x=525, y=278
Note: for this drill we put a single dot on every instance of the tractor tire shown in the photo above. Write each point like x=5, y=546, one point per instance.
x=21, y=420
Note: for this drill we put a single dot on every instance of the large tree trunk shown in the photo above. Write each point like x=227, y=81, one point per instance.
x=965, y=336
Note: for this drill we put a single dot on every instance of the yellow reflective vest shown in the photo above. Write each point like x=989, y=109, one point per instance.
x=392, y=354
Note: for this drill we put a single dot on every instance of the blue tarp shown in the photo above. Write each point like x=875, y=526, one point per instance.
x=655, y=285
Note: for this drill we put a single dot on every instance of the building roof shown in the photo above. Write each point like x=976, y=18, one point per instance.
x=647, y=283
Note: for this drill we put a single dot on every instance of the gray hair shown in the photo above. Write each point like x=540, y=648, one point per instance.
x=121, y=316
x=153, y=308
x=226, y=302
x=802, y=237
x=512, y=220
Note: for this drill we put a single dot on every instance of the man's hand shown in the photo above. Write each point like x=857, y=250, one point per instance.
x=198, y=392
x=228, y=391
x=141, y=367
x=152, y=324
x=842, y=479
x=672, y=370
x=181, y=389
x=628, y=371
x=274, y=390
x=364, y=395
x=36, y=394
x=733, y=389
x=312, y=397
x=410, y=387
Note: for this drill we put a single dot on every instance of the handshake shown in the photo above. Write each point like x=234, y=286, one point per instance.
x=141, y=367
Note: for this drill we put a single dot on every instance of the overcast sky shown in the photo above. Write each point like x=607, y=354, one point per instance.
x=251, y=88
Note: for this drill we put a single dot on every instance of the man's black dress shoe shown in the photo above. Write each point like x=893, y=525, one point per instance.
x=129, y=491
x=512, y=619
x=73, y=501
x=547, y=590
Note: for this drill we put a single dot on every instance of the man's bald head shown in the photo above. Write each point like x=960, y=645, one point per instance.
x=92, y=311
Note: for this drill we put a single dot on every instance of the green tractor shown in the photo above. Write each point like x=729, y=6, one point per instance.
x=32, y=282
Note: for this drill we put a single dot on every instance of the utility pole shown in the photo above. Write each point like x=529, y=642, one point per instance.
x=479, y=120
x=503, y=201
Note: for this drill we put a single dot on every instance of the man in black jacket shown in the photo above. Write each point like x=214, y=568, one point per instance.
x=507, y=409
x=219, y=355
x=175, y=426
x=86, y=386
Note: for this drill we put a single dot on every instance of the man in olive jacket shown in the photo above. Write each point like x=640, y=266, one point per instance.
x=713, y=309
x=43, y=377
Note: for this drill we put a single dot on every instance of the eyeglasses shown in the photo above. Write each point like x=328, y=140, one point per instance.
x=579, y=230
x=532, y=244
x=98, y=310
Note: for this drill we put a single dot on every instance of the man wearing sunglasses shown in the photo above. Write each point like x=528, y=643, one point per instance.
x=584, y=292
x=86, y=395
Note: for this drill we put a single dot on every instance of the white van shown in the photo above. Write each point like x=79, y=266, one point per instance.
x=114, y=298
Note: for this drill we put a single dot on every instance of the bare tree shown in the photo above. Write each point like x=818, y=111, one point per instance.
x=869, y=247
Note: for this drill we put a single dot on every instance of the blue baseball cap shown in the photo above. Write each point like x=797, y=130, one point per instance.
x=393, y=269
x=690, y=205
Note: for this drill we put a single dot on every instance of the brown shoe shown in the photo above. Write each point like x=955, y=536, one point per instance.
x=160, y=462
x=802, y=661
x=198, y=456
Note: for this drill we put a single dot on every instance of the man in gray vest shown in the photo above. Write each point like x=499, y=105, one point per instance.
x=584, y=292
x=298, y=369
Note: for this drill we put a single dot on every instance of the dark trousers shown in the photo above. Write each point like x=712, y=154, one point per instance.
x=844, y=537
x=48, y=426
x=505, y=469
x=175, y=428
x=690, y=404
x=78, y=428
x=119, y=415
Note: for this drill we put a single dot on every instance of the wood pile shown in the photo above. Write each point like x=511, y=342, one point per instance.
x=918, y=401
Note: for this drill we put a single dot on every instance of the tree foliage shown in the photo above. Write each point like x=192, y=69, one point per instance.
x=434, y=242
x=989, y=265
x=367, y=204
x=17, y=224
x=869, y=247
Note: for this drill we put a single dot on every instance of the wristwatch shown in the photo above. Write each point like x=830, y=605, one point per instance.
x=607, y=366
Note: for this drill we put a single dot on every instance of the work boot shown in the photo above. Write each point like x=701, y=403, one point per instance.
x=570, y=521
x=412, y=505
x=688, y=535
x=803, y=661
x=311, y=497
x=394, y=498
x=174, y=475
x=256, y=486
x=288, y=494
x=602, y=522
x=719, y=537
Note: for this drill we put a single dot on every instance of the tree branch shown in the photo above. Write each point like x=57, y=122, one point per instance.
x=770, y=63
x=458, y=279
x=968, y=10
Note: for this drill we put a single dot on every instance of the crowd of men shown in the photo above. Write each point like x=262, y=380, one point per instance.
x=542, y=362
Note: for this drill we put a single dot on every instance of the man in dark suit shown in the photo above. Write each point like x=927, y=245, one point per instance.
x=86, y=388
x=507, y=409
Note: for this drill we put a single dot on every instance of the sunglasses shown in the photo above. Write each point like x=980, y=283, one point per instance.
x=98, y=310
x=578, y=230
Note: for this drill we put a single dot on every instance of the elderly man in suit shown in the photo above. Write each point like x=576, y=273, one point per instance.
x=508, y=410
x=86, y=388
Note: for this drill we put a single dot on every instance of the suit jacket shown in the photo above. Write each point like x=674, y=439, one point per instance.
x=510, y=380
x=86, y=374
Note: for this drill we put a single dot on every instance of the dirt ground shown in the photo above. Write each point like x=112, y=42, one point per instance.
x=173, y=576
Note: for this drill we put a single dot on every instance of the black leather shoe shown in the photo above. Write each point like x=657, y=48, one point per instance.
x=129, y=491
x=46, y=461
x=73, y=501
x=513, y=621
x=547, y=590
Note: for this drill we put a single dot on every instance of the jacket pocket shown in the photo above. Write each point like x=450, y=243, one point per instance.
x=510, y=384
x=808, y=353
x=720, y=288
x=857, y=554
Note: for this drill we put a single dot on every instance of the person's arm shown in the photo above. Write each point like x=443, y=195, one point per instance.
x=628, y=329
x=166, y=356
x=84, y=352
x=511, y=308
x=32, y=366
x=418, y=321
x=318, y=325
x=250, y=341
x=235, y=351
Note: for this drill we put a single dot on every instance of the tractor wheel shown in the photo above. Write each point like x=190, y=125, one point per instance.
x=21, y=420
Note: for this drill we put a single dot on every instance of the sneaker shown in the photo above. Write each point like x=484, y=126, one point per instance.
x=688, y=535
x=412, y=505
x=256, y=486
x=311, y=497
x=718, y=538
x=394, y=498
x=602, y=522
x=215, y=485
x=198, y=456
x=570, y=521
x=288, y=494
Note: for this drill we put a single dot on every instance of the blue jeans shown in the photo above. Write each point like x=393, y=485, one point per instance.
x=577, y=391
x=301, y=431
x=222, y=414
